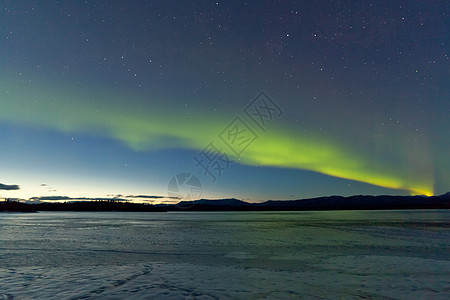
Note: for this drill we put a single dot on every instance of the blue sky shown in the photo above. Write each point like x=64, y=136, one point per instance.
x=111, y=98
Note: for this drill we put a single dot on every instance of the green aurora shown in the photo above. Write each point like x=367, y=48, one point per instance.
x=155, y=125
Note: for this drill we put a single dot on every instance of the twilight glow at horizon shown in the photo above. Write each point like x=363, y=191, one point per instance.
x=99, y=100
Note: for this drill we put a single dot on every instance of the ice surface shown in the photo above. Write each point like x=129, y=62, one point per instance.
x=312, y=255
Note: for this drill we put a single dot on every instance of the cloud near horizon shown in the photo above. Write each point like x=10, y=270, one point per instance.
x=6, y=187
x=150, y=197
x=66, y=198
x=122, y=198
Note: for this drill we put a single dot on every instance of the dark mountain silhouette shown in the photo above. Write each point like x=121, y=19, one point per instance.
x=360, y=202
x=221, y=204
x=446, y=195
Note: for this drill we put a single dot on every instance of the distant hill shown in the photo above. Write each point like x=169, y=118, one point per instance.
x=221, y=204
x=360, y=202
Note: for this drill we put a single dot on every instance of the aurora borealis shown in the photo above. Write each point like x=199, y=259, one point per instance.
x=112, y=98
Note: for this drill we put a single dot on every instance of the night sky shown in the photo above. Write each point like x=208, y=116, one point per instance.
x=257, y=100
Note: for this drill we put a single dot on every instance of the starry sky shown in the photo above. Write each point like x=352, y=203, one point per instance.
x=256, y=100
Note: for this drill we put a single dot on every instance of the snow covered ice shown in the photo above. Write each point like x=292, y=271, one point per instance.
x=244, y=255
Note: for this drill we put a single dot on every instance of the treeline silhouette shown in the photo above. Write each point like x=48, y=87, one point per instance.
x=95, y=205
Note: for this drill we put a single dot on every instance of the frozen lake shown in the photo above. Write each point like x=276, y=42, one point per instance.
x=225, y=255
